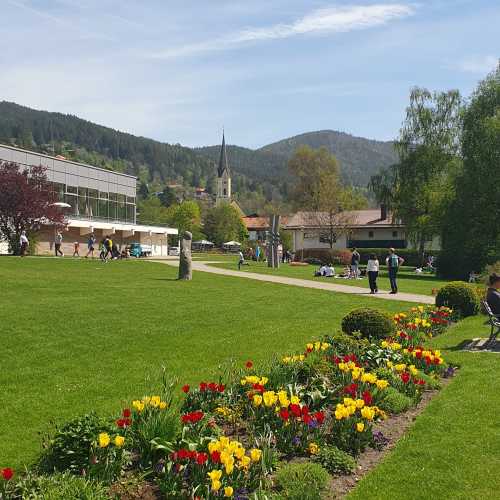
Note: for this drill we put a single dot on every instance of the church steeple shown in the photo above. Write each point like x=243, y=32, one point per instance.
x=223, y=163
x=223, y=176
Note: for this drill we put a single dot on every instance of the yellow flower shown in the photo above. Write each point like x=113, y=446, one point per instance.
x=163, y=405
x=360, y=426
x=257, y=399
x=309, y=347
x=384, y=344
x=325, y=346
x=239, y=452
x=213, y=446
x=295, y=400
x=138, y=405
x=382, y=384
x=228, y=491
x=313, y=448
x=245, y=462
x=255, y=454
x=401, y=367
x=263, y=381
x=104, y=439
x=243, y=381
x=367, y=413
x=270, y=398
x=229, y=466
x=119, y=441
x=215, y=475
x=413, y=370
x=216, y=485
x=287, y=359
x=359, y=403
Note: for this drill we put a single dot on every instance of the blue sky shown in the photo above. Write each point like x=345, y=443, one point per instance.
x=178, y=71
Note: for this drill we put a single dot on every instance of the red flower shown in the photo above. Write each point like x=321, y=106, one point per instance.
x=249, y=364
x=192, y=417
x=305, y=410
x=185, y=388
x=336, y=360
x=215, y=457
x=201, y=458
x=428, y=360
x=346, y=358
x=351, y=389
x=419, y=382
x=221, y=388
x=183, y=454
x=203, y=386
x=212, y=386
x=258, y=388
x=126, y=413
x=121, y=422
x=367, y=398
x=405, y=377
x=295, y=409
x=418, y=354
x=7, y=473
x=284, y=414
x=307, y=419
x=320, y=417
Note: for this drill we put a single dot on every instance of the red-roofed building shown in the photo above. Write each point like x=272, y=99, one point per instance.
x=258, y=227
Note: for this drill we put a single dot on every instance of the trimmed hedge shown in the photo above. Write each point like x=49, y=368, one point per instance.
x=371, y=323
x=302, y=481
x=459, y=296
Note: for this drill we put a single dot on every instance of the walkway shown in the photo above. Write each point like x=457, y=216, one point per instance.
x=319, y=285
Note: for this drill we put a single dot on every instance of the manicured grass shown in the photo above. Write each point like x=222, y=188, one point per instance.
x=215, y=257
x=81, y=335
x=408, y=281
x=453, y=449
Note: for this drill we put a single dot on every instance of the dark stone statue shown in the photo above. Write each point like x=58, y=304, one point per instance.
x=185, y=264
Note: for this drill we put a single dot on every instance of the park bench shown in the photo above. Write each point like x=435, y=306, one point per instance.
x=494, y=321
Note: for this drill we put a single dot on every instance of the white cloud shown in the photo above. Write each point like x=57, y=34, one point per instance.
x=478, y=64
x=323, y=21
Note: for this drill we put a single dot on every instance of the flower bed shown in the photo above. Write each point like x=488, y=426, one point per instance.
x=228, y=437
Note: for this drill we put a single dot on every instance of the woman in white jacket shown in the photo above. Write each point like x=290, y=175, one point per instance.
x=372, y=269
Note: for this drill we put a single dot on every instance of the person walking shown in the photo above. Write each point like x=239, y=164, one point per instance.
x=102, y=249
x=76, y=249
x=372, y=268
x=355, y=258
x=90, y=245
x=241, y=260
x=24, y=243
x=108, y=245
x=57, y=244
x=393, y=262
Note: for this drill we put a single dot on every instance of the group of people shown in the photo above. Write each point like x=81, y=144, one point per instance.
x=393, y=262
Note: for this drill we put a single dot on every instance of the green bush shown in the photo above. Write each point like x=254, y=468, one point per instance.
x=302, y=481
x=460, y=296
x=395, y=402
x=371, y=323
x=60, y=487
x=68, y=448
x=335, y=461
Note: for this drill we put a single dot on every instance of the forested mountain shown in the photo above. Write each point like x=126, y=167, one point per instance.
x=258, y=175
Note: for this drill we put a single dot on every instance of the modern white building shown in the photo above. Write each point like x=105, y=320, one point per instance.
x=101, y=202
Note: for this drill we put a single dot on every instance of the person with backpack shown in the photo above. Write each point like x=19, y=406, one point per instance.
x=355, y=258
x=393, y=262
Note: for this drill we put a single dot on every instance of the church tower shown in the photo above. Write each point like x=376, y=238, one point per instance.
x=223, y=176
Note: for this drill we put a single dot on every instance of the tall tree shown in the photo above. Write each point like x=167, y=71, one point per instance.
x=318, y=192
x=420, y=185
x=151, y=211
x=185, y=217
x=223, y=223
x=471, y=235
x=26, y=202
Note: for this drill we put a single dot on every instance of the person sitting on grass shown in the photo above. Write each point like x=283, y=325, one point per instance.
x=493, y=293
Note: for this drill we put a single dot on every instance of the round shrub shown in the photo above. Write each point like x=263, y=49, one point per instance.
x=334, y=460
x=302, y=481
x=395, y=402
x=459, y=296
x=371, y=323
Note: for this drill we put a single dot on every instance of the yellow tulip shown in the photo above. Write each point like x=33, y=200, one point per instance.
x=313, y=449
x=104, y=439
x=360, y=426
x=257, y=400
x=215, y=475
x=255, y=454
x=228, y=491
x=216, y=485
x=163, y=405
x=119, y=441
x=295, y=400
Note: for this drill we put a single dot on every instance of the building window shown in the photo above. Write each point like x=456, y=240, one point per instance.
x=225, y=192
x=394, y=234
x=329, y=238
x=370, y=234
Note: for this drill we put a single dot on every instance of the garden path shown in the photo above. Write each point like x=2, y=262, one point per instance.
x=204, y=266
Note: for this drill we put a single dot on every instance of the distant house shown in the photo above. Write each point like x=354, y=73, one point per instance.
x=258, y=227
x=201, y=193
x=357, y=228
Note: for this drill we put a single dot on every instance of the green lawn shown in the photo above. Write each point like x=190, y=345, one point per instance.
x=453, y=449
x=408, y=281
x=79, y=335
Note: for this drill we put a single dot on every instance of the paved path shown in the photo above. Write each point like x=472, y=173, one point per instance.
x=319, y=285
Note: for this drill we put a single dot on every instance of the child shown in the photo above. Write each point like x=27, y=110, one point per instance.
x=76, y=251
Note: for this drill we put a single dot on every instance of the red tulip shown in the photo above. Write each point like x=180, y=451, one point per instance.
x=7, y=473
x=249, y=364
x=215, y=457
x=185, y=388
x=126, y=412
x=284, y=414
x=201, y=458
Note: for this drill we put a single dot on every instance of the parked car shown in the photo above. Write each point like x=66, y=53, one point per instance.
x=174, y=251
x=138, y=250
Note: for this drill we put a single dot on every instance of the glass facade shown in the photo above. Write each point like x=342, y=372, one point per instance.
x=96, y=205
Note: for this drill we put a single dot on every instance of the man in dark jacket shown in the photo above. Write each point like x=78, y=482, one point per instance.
x=493, y=295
